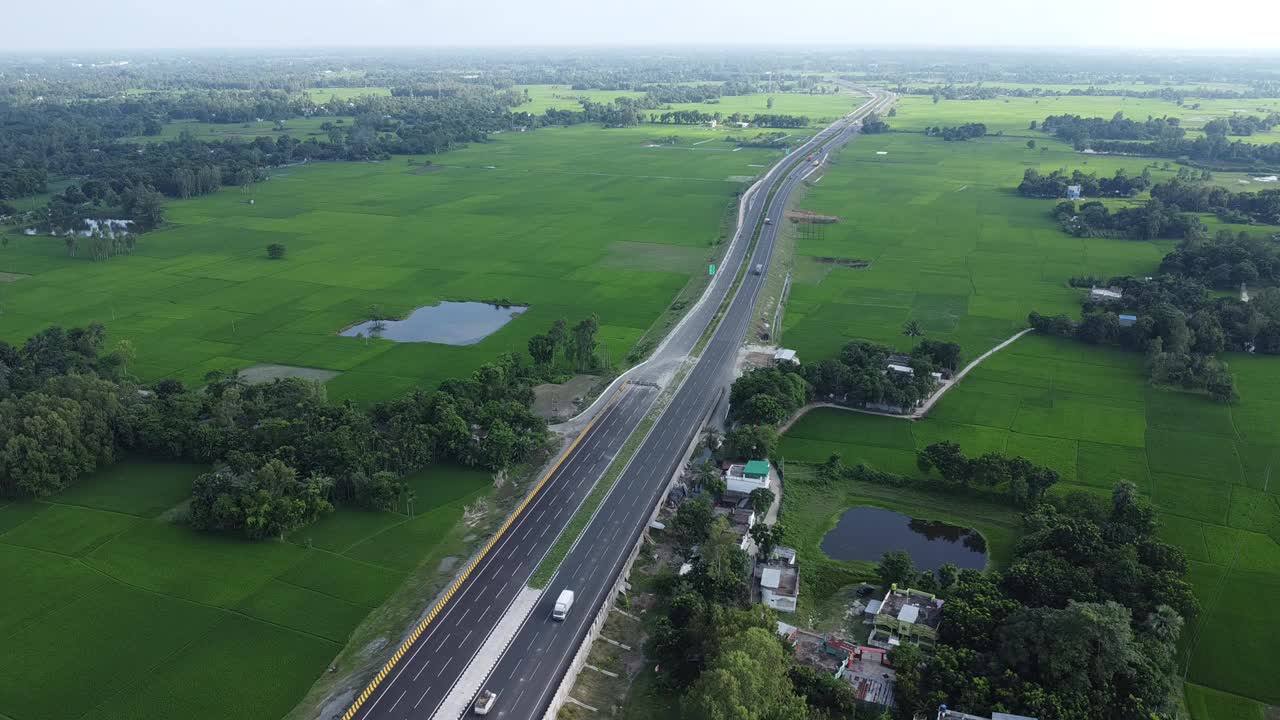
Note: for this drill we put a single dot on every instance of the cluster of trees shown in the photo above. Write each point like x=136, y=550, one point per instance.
x=1177, y=327
x=873, y=125
x=1241, y=125
x=967, y=131
x=859, y=375
x=1025, y=482
x=575, y=346
x=1233, y=207
x=1226, y=261
x=265, y=503
x=1151, y=220
x=1084, y=623
x=1055, y=184
x=1017, y=479
x=67, y=408
x=1079, y=130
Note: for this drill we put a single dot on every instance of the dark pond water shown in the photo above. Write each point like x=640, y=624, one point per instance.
x=867, y=533
x=449, y=323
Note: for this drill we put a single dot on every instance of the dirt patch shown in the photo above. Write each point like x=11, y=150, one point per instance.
x=844, y=262
x=8, y=277
x=446, y=564
x=810, y=217
x=256, y=374
x=563, y=401
x=424, y=169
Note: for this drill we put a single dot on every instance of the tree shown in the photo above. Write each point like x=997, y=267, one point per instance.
x=822, y=692
x=767, y=538
x=582, y=344
x=948, y=459
x=749, y=442
x=912, y=329
x=746, y=680
x=542, y=349
x=761, y=500
x=1031, y=144
x=691, y=525
x=276, y=251
x=895, y=568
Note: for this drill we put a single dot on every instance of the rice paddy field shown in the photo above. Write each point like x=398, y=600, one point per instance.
x=952, y=246
x=567, y=221
x=109, y=610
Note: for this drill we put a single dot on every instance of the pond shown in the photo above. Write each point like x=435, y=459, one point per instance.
x=449, y=323
x=867, y=533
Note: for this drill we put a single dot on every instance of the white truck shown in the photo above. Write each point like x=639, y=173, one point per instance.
x=484, y=702
x=563, y=603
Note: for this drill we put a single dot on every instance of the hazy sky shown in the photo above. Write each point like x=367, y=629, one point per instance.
x=74, y=24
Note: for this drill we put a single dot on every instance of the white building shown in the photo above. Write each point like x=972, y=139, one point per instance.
x=784, y=355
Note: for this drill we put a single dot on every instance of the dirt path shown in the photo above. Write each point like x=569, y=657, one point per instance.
x=924, y=408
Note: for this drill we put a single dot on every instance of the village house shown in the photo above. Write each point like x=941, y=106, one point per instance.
x=740, y=522
x=779, y=585
x=907, y=616
x=784, y=356
x=1105, y=295
x=741, y=479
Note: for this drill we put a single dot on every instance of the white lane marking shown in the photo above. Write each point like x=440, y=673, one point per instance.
x=442, y=668
x=397, y=702
x=425, y=665
x=424, y=695
x=464, y=638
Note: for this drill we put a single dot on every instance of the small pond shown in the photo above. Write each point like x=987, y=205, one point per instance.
x=867, y=533
x=449, y=323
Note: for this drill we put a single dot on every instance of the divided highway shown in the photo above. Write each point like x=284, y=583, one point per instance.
x=535, y=661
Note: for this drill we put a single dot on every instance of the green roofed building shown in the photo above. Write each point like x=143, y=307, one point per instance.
x=756, y=469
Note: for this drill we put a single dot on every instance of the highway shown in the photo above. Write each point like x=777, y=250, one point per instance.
x=530, y=669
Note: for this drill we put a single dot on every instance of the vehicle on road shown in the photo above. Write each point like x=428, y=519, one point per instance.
x=768, y=221
x=758, y=269
x=563, y=603
x=484, y=702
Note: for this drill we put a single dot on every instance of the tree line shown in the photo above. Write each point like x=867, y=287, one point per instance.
x=957, y=133
x=1055, y=184
x=282, y=453
x=1165, y=137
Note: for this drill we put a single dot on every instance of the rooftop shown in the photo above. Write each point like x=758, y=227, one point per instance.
x=780, y=579
x=756, y=468
x=912, y=606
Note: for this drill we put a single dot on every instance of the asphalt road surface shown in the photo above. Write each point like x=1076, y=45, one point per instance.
x=537, y=659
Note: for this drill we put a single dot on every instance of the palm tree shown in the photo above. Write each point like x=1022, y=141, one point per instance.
x=912, y=329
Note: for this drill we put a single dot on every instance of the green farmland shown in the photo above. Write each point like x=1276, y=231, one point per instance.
x=566, y=221
x=952, y=246
x=111, y=611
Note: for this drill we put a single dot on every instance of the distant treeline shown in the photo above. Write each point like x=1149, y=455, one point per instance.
x=1165, y=137
x=979, y=91
x=963, y=132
